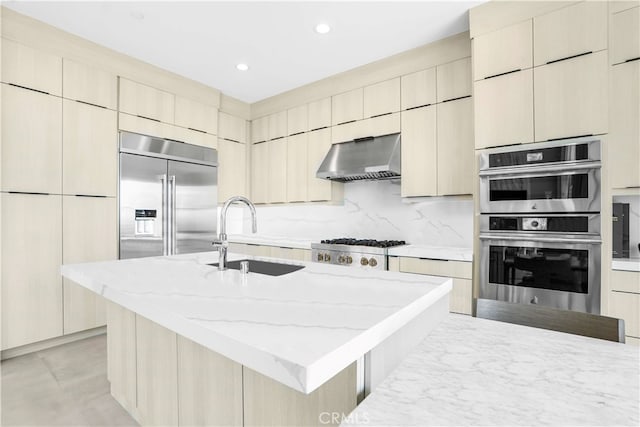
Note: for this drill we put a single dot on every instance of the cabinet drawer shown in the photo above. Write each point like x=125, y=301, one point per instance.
x=454, y=79
x=259, y=129
x=570, y=31
x=347, y=107
x=571, y=97
x=319, y=114
x=626, y=306
x=196, y=115
x=381, y=98
x=504, y=50
x=297, y=120
x=418, y=89
x=625, y=35
x=457, y=269
x=277, y=125
x=231, y=127
x=87, y=84
x=146, y=101
x=625, y=281
x=31, y=68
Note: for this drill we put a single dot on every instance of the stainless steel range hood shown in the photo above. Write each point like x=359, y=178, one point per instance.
x=364, y=158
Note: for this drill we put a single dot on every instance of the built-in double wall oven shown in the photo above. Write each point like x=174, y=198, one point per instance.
x=540, y=225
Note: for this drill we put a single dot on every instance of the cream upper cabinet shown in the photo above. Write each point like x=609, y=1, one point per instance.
x=625, y=36
x=454, y=79
x=194, y=137
x=319, y=114
x=570, y=31
x=196, y=115
x=318, y=145
x=31, y=141
x=277, y=181
x=455, y=152
x=381, y=98
x=616, y=6
x=232, y=127
x=571, y=97
x=260, y=129
x=503, y=51
x=90, y=154
x=297, y=120
x=88, y=84
x=418, y=89
x=503, y=110
x=297, y=172
x=375, y=126
x=146, y=126
x=347, y=107
x=419, y=152
x=260, y=173
x=145, y=101
x=89, y=234
x=232, y=169
x=624, y=131
x=31, y=68
x=277, y=125
x=31, y=259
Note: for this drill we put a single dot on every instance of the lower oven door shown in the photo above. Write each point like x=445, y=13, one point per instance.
x=557, y=272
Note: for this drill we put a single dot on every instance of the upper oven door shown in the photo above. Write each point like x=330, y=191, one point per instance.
x=566, y=188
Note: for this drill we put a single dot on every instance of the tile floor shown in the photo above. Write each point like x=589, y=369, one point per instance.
x=65, y=385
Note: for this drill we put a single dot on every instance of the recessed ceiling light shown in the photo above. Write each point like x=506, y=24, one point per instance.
x=242, y=67
x=323, y=28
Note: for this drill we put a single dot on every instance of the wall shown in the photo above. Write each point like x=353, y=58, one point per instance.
x=372, y=210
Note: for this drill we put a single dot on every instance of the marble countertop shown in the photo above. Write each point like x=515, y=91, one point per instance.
x=472, y=371
x=433, y=252
x=625, y=264
x=299, y=329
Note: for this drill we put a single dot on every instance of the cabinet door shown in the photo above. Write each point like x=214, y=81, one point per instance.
x=346, y=107
x=89, y=234
x=502, y=51
x=318, y=145
x=454, y=79
x=503, y=110
x=297, y=172
x=31, y=68
x=121, y=355
x=461, y=297
x=146, y=101
x=455, y=147
x=570, y=31
x=277, y=125
x=31, y=259
x=260, y=173
x=319, y=113
x=297, y=120
x=381, y=98
x=196, y=115
x=277, y=170
x=571, y=97
x=232, y=128
x=90, y=155
x=31, y=141
x=616, y=6
x=260, y=129
x=418, y=152
x=91, y=85
x=194, y=137
x=626, y=306
x=624, y=135
x=375, y=126
x=232, y=169
x=418, y=89
x=625, y=35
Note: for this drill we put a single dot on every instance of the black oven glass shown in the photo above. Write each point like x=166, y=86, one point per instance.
x=544, y=268
x=541, y=187
x=540, y=156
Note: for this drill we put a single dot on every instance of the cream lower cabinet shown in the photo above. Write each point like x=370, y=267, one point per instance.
x=624, y=301
x=121, y=356
x=318, y=189
x=89, y=234
x=271, y=251
x=260, y=173
x=31, y=141
x=624, y=132
x=277, y=175
x=571, y=97
x=419, y=152
x=232, y=169
x=31, y=259
x=455, y=154
x=297, y=172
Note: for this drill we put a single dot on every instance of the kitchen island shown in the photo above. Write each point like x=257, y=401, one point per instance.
x=189, y=344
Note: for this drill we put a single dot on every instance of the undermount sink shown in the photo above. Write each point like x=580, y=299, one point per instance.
x=264, y=267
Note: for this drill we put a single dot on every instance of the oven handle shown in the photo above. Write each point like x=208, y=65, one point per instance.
x=540, y=169
x=540, y=239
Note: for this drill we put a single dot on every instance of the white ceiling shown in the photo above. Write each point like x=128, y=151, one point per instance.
x=205, y=40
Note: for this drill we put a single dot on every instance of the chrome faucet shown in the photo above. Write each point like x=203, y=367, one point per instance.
x=221, y=243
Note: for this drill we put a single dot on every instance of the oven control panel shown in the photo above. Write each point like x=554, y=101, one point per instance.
x=350, y=259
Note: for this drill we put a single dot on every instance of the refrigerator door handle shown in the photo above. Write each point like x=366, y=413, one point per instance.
x=172, y=188
x=165, y=219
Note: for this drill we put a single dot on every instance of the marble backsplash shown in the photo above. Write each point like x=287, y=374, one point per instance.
x=371, y=210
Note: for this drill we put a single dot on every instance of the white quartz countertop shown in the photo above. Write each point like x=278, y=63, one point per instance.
x=472, y=371
x=625, y=264
x=299, y=329
x=433, y=252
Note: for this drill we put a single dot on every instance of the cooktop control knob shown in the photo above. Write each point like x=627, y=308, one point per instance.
x=373, y=262
x=341, y=259
x=320, y=257
x=327, y=257
x=349, y=259
x=364, y=261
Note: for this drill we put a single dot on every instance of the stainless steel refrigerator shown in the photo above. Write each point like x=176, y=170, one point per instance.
x=168, y=196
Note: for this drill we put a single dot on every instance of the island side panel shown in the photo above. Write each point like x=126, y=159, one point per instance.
x=270, y=403
x=121, y=356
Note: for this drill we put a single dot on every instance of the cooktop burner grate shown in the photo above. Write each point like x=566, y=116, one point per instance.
x=364, y=242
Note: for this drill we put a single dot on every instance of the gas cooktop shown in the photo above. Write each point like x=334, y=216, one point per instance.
x=364, y=242
x=363, y=253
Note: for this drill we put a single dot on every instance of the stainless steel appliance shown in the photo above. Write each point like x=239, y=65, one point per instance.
x=168, y=196
x=557, y=176
x=355, y=253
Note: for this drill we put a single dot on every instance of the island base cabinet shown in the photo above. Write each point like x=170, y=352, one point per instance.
x=121, y=356
x=270, y=403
